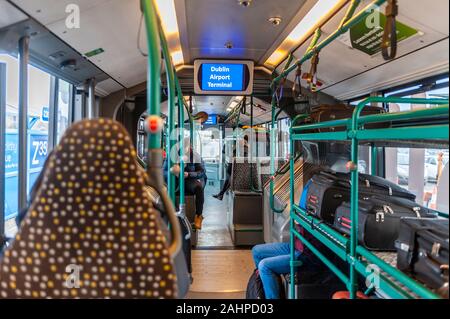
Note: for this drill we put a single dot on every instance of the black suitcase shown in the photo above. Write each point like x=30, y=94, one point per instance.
x=314, y=284
x=379, y=219
x=329, y=190
x=422, y=250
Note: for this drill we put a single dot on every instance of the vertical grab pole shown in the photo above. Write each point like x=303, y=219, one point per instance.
x=153, y=72
x=2, y=145
x=170, y=74
x=155, y=123
x=291, y=199
x=373, y=160
x=353, y=284
x=191, y=121
x=24, y=55
x=181, y=152
x=354, y=217
x=91, y=103
x=272, y=152
x=252, y=134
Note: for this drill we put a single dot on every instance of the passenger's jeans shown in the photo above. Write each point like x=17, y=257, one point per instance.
x=272, y=260
x=197, y=187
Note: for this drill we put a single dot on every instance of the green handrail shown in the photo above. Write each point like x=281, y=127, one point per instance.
x=364, y=13
x=272, y=163
x=339, y=246
x=181, y=150
x=354, y=172
x=170, y=74
x=355, y=132
x=297, y=118
x=350, y=12
x=275, y=116
x=155, y=153
x=154, y=66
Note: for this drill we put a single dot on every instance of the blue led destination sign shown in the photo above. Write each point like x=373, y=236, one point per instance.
x=212, y=120
x=222, y=77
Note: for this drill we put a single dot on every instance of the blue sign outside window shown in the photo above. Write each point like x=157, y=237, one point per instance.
x=37, y=154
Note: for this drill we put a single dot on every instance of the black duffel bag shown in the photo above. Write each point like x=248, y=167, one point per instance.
x=328, y=190
x=422, y=251
x=255, y=288
x=379, y=219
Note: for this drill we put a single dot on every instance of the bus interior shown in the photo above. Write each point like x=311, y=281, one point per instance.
x=253, y=102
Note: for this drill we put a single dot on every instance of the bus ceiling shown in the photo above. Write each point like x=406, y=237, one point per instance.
x=106, y=42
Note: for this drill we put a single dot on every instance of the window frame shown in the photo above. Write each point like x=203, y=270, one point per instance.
x=52, y=127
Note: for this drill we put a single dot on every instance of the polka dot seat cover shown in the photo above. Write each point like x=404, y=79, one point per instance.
x=91, y=231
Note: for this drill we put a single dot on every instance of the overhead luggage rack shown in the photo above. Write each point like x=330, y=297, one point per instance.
x=409, y=129
x=383, y=275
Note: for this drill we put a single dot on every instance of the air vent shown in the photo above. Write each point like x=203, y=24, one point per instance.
x=57, y=55
x=69, y=64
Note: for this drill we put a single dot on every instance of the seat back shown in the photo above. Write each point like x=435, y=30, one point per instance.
x=91, y=231
x=244, y=176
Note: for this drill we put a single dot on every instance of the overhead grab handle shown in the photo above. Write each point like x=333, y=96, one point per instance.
x=311, y=77
x=389, y=44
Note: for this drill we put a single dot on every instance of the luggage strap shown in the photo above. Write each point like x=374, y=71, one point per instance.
x=390, y=31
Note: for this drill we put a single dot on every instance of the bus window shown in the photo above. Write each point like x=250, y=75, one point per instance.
x=38, y=128
x=418, y=170
x=63, y=108
x=11, y=143
x=210, y=145
x=38, y=123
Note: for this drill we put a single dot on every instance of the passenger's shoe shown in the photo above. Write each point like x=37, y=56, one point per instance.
x=198, y=222
x=218, y=196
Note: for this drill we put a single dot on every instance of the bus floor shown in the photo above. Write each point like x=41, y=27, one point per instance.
x=220, y=274
x=220, y=270
x=214, y=233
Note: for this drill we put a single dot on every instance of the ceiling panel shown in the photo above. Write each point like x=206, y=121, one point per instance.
x=108, y=24
x=211, y=24
x=9, y=15
x=107, y=86
x=212, y=104
x=51, y=11
x=339, y=62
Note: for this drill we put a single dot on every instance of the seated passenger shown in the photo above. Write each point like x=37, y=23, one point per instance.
x=227, y=183
x=91, y=231
x=273, y=260
x=195, y=181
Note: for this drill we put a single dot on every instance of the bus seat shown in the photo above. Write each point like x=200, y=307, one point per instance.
x=91, y=231
x=246, y=217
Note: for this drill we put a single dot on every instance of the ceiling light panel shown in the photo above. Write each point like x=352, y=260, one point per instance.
x=168, y=16
x=322, y=10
